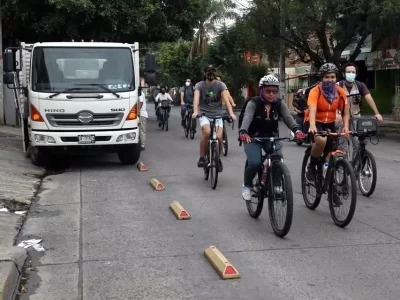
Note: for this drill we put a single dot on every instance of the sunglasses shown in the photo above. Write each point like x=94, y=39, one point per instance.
x=274, y=92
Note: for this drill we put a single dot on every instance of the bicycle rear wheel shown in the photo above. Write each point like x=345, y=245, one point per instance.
x=225, y=141
x=340, y=187
x=187, y=126
x=166, y=121
x=311, y=196
x=255, y=205
x=280, y=195
x=368, y=171
x=214, y=160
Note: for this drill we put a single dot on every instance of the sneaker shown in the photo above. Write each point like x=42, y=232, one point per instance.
x=202, y=162
x=183, y=123
x=142, y=147
x=220, y=167
x=336, y=200
x=311, y=173
x=246, y=193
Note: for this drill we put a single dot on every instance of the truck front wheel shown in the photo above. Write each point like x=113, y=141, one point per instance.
x=40, y=156
x=129, y=154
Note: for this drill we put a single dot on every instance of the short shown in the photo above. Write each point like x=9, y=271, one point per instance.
x=323, y=127
x=206, y=121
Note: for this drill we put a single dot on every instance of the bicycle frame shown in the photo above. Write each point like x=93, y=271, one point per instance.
x=335, y=154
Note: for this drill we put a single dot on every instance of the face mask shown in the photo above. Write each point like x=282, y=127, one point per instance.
x=163, y=92
x=158, y=87
x=329, y=90
x=210, y=76
x=187, y=83
x=350, y=77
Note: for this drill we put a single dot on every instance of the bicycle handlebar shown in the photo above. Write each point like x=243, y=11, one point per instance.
x=328, y=133
x=271, y=139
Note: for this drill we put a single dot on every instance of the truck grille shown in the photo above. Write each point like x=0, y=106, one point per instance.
x=71, y=120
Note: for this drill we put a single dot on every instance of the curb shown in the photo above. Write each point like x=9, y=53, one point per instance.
x=12, y=260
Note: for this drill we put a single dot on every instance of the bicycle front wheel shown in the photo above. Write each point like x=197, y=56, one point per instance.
x=368, y=174
x=214, y=160
x=280, y=199
x=310, y=191
x=187, y=126
x=255, y=205
x=342, y=191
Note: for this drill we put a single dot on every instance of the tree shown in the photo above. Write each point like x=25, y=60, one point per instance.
x=211, y=12
x=174, y=66
x=100, y=20
x=319, y=31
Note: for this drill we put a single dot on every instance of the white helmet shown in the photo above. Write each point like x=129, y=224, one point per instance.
x=268, y=80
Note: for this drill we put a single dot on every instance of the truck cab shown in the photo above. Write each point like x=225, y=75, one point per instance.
x=78, y=95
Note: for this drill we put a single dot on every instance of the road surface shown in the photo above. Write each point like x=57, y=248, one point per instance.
x=108, y=235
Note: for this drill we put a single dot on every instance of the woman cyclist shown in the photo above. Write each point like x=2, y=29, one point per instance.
x=323, y=102
x=261, y=119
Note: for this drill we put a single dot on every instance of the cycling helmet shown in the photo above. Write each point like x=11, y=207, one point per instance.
x=328, y=68
x=268, y=80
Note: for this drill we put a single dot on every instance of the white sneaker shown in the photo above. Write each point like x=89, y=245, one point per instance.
x=246, y=193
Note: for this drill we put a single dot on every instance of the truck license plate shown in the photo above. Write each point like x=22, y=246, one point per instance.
x=86, y=139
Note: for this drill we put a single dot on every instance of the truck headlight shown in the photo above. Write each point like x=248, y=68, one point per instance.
x=44, y=139
x=126, y=137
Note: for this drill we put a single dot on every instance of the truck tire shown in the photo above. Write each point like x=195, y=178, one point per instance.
x=130, y=154
x=40, y=156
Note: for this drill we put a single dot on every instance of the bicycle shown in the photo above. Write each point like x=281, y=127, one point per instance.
x=189, y=126
x=362, y=160
x=212, y=155
x=228, y=120
x=165, y=107
x=330, y=183
x=265, y=186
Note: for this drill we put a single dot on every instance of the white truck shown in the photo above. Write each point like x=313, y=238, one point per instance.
x=78, y=95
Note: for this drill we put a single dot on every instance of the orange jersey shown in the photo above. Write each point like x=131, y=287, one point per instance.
x=326, y=112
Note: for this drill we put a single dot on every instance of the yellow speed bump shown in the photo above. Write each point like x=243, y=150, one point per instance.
x=224, y=268
x=179, y=211
x=142, y=167
x=156, y=184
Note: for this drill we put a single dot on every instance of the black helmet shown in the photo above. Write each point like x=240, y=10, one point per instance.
x=327, y=68
x=210, y=67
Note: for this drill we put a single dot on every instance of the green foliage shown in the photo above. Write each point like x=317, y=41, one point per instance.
x=100, y=20
x=174, y=66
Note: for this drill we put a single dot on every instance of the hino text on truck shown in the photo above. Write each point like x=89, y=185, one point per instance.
x=77, y=95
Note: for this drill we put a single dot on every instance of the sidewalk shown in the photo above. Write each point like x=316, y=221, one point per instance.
x=19, y=183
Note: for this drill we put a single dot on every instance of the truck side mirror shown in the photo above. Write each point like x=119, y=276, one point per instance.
x=8, y=78
x=150, y=63
x=8, y=62
x=150, y=78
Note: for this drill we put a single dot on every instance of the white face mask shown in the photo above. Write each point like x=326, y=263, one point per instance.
x=350, y=77
x=187, y=83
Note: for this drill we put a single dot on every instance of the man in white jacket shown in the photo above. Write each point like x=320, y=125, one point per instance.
x=143, y=117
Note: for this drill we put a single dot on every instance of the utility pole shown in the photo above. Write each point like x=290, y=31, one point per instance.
x=1, y=75
x=282, y=58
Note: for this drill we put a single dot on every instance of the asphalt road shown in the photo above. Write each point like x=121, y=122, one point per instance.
x=109, y=235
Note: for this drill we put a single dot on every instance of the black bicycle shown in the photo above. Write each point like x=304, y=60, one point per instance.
x=332, y=182
x=362, y=160
x=212, y=155
x=272, y=181
x=189, y=123
x=165, y=109
x=227, y=120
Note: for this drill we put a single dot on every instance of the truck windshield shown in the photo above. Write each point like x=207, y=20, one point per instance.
x=55, y=69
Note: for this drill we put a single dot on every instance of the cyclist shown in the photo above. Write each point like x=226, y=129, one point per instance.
x=323, y=102
x=261, y=119
x=186, y=96
x=355, y=90
x=162, y=96
x=209, y=95
x=156, y=91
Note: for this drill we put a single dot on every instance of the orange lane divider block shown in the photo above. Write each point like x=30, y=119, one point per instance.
x=156, y=184
x=179, y=211
x=142, y=167
x=224, y=268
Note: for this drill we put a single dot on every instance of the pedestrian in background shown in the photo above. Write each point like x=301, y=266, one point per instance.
x=143, y=117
